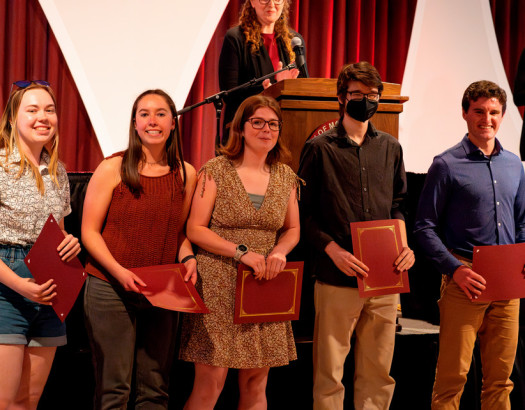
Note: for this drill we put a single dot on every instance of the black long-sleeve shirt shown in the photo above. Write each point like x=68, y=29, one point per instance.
x=347, y=183
x=237, y=65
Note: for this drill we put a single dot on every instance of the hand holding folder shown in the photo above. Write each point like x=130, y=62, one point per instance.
x=167, y=289
x=44, y=263
x=502, y=268
x=274, y=300
x=378, y=244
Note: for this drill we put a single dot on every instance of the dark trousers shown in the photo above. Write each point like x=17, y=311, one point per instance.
x=130, y=340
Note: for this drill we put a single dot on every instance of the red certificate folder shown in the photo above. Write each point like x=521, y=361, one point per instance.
x=502, y=268
x=274, y=300
x=378, y=244
x=44, y=263
x=168, y=290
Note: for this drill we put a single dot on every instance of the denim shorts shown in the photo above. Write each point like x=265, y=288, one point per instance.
x=22, y=321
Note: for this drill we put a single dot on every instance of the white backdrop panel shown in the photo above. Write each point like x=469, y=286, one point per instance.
x=116, y=49
x=453, y=44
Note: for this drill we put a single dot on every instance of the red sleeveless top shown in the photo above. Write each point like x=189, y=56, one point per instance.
x=143, y=231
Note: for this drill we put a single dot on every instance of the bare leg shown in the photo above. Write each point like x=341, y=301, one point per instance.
x=36, y=368
x=252, y=388
x=208, y=385
x=11, y=363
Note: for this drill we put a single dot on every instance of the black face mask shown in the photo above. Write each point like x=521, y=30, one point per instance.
x=361, y=110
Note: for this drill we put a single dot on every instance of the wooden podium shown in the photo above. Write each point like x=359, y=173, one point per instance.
x=308, y=103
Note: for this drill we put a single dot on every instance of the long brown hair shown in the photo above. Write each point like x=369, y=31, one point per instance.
x=9, y=138
x=133, y=155
x=251, y=28
x=234, y=148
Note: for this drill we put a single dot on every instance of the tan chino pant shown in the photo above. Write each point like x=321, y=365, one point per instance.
x=340, y=310
x=496, y=325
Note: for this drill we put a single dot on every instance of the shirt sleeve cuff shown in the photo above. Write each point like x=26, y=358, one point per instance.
x=450, y=266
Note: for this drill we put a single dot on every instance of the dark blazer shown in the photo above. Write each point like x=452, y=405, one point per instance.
x=519, y=97
x=237, y=65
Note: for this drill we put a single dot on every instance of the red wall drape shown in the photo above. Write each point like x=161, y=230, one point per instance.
x=30, y=52
x=335, y=32
x=509, y=19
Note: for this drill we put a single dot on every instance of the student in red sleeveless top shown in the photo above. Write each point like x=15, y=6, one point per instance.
x=134, y=213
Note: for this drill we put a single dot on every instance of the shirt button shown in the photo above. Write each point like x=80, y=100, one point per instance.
x=364, y=189
x=367, y=210
x=499, y=223
x=363, y=168
x=495, y=181
x=497, y=203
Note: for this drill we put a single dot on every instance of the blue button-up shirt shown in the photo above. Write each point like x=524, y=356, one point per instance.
x=470, y=199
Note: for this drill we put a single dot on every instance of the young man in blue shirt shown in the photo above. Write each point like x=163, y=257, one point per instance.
x=474, y=194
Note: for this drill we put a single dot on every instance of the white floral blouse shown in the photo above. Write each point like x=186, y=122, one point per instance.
x=23, y=210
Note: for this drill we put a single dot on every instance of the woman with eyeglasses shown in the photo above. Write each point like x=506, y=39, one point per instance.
x=259, y=45
x=244, y=210
x=33, y=184
x=134, y=214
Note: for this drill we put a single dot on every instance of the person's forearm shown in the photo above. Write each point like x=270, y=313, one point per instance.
x=434, y=250
x=185, y=248
x=287, y=241
x=208, y=240
x=317, y=238
x=98, y=249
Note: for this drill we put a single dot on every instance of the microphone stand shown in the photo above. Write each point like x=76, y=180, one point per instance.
x=217, y=100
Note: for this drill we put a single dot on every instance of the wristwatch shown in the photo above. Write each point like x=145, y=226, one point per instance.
x=239, y=251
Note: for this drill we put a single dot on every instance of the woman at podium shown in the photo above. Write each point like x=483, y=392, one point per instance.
x=262, y=43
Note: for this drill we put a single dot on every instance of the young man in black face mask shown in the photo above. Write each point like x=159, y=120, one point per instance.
x=353, y=172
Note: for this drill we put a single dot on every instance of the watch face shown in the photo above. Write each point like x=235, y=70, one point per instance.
x=242, y=248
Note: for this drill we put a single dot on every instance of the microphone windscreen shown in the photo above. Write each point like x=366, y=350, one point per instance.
x=296, y=42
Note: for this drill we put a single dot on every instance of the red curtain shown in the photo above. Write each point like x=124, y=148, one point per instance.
x=335, y=32
x=30, y=52
x=509, y=19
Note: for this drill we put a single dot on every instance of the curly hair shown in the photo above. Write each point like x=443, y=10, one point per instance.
x=486, y=89
x=251, y=28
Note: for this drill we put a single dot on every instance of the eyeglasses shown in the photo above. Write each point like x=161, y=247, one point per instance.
x=277, y=2
x=358, y=96
x=26, y=83
x=259, y=123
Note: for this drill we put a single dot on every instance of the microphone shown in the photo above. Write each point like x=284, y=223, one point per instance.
x=300, y=60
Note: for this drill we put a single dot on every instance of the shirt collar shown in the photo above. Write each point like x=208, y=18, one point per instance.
x=471, y=149
x=15, y=158
x=371, y=132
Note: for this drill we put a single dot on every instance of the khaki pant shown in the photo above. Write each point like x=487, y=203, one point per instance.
x=496, y=325
x=340, y=310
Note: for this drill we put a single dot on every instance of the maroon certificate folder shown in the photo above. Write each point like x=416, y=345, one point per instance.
x=168, y=290
x=44, y=263
x=272, y=300
x=378, y=244
x=502, y=268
